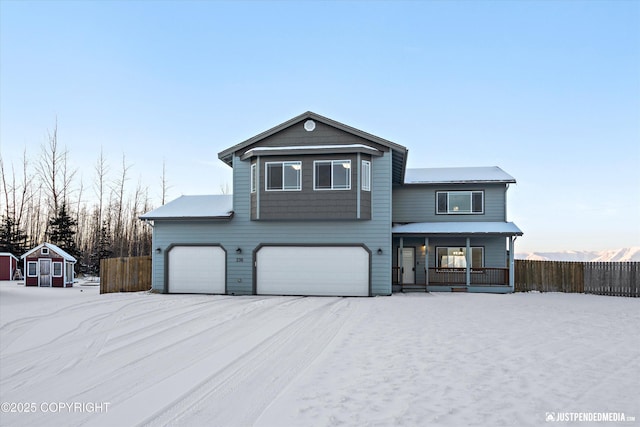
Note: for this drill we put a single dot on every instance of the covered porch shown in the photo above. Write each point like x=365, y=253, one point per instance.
x=454, y=256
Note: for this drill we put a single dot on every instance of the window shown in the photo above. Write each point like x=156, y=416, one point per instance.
x=366, y=175
x=283, y=176
x=455, y=257
x=44, y=251
x=332, y=175
x=254, y=178
x=57, y=269
x=32, y=269
x=69, y=273
x=460, y=202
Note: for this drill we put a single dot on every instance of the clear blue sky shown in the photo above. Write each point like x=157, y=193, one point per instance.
x=549, y=91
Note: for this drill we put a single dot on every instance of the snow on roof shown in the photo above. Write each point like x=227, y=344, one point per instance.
x=311, y=147
x=207, y=206
x=505, y=228
x=457, y=175
x=54, y=248
x=8, y=254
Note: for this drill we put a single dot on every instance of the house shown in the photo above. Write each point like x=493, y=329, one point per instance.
x=8, y=266
x=47, y=265
x=322, y=208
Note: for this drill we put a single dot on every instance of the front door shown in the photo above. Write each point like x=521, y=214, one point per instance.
x=45, y=272
x=408, y=256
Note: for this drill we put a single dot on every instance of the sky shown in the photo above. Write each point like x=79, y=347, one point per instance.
x=548, y=91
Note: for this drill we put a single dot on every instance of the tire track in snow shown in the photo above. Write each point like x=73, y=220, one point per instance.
x=260, y=374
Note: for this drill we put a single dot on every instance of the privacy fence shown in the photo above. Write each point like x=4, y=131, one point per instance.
x=602, y=278
x=125, y=274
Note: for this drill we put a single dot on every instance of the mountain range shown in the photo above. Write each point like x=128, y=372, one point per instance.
x=618, y=255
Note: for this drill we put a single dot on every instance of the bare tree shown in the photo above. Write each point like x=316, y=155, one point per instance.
x=165, y=186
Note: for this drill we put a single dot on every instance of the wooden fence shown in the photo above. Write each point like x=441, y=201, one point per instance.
x=125, y=274
x=602, y=278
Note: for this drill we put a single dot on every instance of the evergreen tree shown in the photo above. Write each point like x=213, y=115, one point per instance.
x=12, y=238
x=62, y=231
x=103, y=249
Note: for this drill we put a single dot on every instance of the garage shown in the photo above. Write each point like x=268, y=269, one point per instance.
x=312, y=270
x=196, y=270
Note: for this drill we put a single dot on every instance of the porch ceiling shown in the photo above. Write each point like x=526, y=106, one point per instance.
x=442, y=228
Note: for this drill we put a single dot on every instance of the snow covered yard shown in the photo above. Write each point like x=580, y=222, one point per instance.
x=413, y=360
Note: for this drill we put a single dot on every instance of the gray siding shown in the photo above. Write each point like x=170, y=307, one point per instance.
x=242, y=232
x=417, y=203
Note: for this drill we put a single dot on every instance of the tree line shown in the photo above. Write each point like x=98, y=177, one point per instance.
x=43, y=200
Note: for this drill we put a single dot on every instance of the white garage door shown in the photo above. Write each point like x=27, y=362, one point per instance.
x=197, y=270
x=322, y=270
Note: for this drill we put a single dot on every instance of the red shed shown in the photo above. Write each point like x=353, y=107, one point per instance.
x=47, y=265
x=8, y=265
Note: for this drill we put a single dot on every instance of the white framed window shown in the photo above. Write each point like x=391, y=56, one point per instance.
x=32, y=268
x=254, y=178
x=459, y=202
x=69, y=272
x=44, y=251
x=366, y=175
x=332, y=175
x=283, y=176
x=57, y=269
x=456, y=257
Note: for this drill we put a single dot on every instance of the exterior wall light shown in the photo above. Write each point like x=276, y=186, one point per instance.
x=379, y=251
x=239, y=251
x=158, y=250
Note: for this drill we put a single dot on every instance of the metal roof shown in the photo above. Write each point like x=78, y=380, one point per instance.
x=459, y=175
x=495, y=228
x=207, y=206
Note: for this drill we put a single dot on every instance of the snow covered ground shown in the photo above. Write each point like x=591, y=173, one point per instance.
x=412, y=360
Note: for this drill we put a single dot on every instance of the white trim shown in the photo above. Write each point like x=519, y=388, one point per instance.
x=44, y=251
x=348, y=187
x=53, y=269
x=366, y=175
x=283, y=163
x=36, y=273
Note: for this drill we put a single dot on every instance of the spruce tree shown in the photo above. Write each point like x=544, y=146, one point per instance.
x=62, y=231
x=12, y=238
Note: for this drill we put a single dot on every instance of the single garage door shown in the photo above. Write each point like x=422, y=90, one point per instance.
x=317, y=270
x=197, y=270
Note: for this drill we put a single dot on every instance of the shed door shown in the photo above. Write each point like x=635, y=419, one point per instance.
x=45, y=272
x=317, y=270
x=196, y=270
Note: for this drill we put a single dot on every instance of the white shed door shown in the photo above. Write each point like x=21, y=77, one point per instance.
x=197, y=270
x=318, y=270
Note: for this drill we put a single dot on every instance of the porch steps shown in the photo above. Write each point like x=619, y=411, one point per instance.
x=413, y=288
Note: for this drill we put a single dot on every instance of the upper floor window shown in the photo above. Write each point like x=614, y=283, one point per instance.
x=332, y=175
x=460, y=202
x=283, y=176
x=366, y=175
x=254, y=178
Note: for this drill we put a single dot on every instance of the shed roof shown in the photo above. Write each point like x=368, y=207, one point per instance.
x=204, y=207
x=495, y=228
x=54, y=248
x=458, y=175
x=9, y=255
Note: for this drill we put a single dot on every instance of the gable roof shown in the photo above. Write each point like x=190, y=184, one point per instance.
x=203, y=207
x=459, y=175
x=9, y=255
x=398, y=152
x=52, y=247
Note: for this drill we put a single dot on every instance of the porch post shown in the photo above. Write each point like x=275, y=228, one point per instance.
x=468, y=256
x=426, y=261
x=400, y=256
x=512, y=273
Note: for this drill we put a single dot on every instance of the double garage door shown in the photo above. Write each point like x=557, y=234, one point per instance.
x=280, y=270
x=315, y=270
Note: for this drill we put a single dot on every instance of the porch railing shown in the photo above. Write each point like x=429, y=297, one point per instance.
x=458, y=276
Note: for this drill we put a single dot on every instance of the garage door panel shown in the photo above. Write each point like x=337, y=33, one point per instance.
x=197, y=269
x=322, y=270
